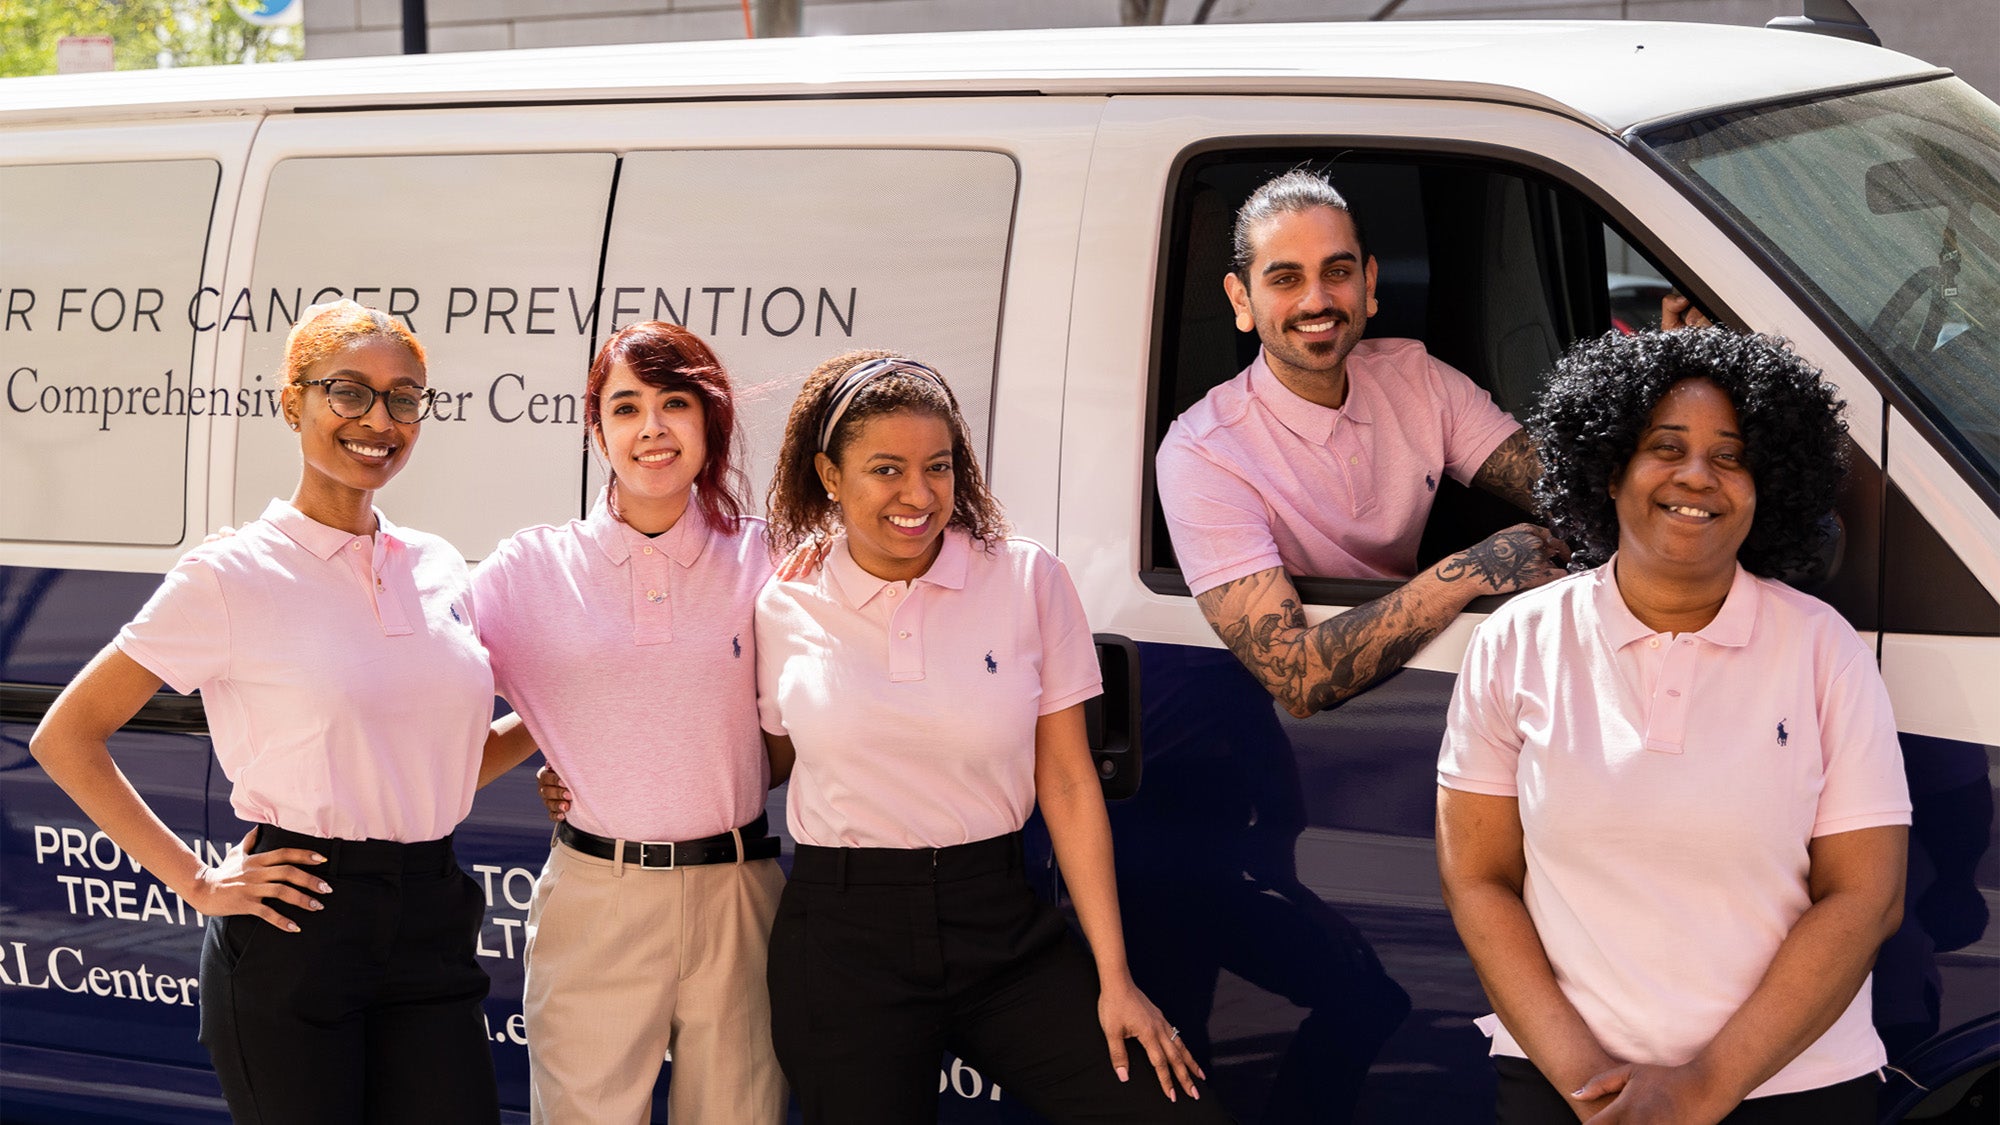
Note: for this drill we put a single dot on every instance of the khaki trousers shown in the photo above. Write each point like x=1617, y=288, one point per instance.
x=626, y=964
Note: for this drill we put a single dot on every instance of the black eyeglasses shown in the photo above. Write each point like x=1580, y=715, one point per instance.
x=350, y=399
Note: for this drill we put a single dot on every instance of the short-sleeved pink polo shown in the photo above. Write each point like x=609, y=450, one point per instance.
x=1254, y=477
x=632, y=661
x=912, y=705
x=1669, y=788
x=346, y=690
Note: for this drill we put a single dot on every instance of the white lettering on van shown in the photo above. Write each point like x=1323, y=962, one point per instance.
x=64, y=968
x=515, y=888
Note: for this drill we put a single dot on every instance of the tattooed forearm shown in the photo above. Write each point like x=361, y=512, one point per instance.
x=1510, y=472
x=1312, y=668
x=1509, y=560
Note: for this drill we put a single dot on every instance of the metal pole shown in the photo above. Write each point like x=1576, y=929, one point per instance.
x=777, y=18
x=416, y=28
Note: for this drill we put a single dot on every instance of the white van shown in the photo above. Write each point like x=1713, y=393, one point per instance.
x=1042, y=216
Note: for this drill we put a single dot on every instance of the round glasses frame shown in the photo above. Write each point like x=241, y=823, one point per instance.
x=351, y=398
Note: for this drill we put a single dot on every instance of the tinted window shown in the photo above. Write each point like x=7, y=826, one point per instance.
x=96, y=345
x=493, y=261
x=783, y=258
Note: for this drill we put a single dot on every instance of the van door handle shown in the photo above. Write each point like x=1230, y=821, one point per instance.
x=1112, y=719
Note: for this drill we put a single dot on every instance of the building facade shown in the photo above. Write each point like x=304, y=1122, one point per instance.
x=1954, y=33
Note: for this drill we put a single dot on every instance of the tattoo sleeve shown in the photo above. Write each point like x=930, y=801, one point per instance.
x=1510, y=472
x=1311, y=668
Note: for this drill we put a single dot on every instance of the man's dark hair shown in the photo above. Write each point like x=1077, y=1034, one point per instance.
x=1295, y=191
x=1604, y=390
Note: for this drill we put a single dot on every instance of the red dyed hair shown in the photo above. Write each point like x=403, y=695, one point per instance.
x=670, y=358
x=325, y=329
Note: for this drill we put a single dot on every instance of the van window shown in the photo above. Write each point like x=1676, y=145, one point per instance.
x=1917, y=168
x=493, y=261
x=1497, y=269
x=97, y=265
x=782, y=258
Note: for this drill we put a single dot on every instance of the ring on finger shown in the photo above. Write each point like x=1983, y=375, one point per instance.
x=1175, y=1034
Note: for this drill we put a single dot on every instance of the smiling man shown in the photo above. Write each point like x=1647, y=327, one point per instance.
x=1322, y=459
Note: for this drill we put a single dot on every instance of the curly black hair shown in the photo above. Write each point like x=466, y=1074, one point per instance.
x=797, y=506
x=1603, y=392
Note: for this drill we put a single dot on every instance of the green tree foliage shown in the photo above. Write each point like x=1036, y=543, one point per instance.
x=145, y=33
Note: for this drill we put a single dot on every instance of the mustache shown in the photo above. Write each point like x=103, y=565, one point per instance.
x=1322, y=314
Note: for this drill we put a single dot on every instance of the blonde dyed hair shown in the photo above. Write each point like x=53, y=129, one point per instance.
x=323, y=330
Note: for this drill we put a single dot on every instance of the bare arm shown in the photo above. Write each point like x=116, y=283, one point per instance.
x=72, y=744
x=1856, y=885
x=1483, y=867
x=1510, y=472
x=1312, y=668
x=508, y=744
x=1072, y=803
x=779, y=747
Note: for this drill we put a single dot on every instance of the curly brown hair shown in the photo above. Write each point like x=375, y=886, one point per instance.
x=797, y=505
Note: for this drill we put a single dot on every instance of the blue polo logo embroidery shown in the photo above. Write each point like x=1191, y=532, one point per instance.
x=454, y=614
x=992, y=669
x=1431, y=481
x=1782, y=736
x=736, y=645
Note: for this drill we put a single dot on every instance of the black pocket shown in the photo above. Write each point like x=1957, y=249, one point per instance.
x=474, y=911
x=231, y=937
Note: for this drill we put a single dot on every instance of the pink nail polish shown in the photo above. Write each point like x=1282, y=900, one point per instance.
x=1123, y=1074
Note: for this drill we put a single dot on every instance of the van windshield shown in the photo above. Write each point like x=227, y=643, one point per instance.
x=1886, y=204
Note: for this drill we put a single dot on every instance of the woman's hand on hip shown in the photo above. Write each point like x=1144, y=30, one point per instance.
x=1645, y=1095
x=555, y=795
x=1125, y=1013
x=247, y=884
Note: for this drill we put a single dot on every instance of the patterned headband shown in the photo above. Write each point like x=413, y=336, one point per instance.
x=861, y=375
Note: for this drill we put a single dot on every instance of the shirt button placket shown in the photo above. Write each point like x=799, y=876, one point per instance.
x=652, y=602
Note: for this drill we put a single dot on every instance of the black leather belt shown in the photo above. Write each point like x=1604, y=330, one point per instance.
x=719, y=848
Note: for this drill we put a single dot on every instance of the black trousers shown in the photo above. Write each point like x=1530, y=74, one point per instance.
x=371, y=1012
x=1527, y=1098
x=882, y=959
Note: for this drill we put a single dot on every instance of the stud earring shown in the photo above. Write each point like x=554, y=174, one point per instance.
x=830, y=496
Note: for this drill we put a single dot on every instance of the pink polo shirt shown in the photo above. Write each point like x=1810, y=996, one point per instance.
x=1669, y=787
x=346, y=691
x=912, y=705
x=632, y=662
x=1254, y=477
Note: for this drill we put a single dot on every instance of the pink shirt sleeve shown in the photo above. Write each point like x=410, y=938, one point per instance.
x=486, y=602
x=1070, y=673
x=182, y=633
x=1482, y=747
x=771, y=655
x=1220, y=525
x=1864, y=785
x=1474, y=425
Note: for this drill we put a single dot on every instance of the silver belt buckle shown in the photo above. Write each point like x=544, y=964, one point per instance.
x=646, y=852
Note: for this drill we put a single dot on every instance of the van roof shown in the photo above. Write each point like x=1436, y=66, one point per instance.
x=1614, y=75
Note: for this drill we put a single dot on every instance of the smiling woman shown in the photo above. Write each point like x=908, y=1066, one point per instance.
x=623, y=642
x=348, y=698
x=1677, y=721
x=928, y=681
